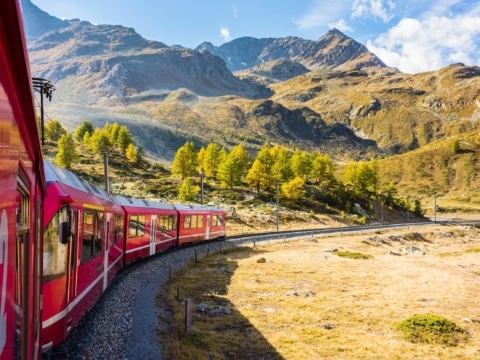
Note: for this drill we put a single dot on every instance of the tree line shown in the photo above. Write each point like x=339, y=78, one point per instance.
x=98, y=140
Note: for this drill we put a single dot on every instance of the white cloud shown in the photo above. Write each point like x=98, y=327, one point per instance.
x=375, y=8
x=235, y=12
x=341, y=25
x=421, y=45
x=225, y=34
x=321, y=14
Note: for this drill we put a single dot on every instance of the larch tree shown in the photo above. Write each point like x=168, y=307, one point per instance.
x=188, y=191
x=301, y=164
x=66, y=154
x=54, y=130
x=185, y=161
x=212, y=160
x=294, y=189
x=124, y=138
x=322, y=169
x=282, y=168
x=85, y=127
x=255, y=175
x=131, y=154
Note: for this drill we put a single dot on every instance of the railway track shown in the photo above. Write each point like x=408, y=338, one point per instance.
x=132, y=331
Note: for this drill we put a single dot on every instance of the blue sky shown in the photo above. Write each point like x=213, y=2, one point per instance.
x=412, y=35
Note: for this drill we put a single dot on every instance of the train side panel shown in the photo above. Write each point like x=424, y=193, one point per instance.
x=83, y=250
x=21, y=195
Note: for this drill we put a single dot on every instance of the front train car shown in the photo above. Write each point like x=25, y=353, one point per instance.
x=200, y=223
x=82, y=252
x=21, y=195
x=151, y=227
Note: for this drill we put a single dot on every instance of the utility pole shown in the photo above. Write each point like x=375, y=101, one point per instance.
x=44, y=87
x=105, y=168
x=201, y=187
x=276, y=185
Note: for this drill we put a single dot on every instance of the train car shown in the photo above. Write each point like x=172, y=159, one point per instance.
x=22, y=189
x=150, y=227
x=200, y=223
x=83, y=250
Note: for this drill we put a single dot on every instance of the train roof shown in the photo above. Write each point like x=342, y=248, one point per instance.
x=196, y=207
x=60, y=175
x=127, y=201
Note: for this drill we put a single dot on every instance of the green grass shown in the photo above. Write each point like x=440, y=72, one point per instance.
x=432, y=329
x=352, y=255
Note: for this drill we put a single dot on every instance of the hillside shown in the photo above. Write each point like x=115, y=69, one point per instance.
x=331, y=95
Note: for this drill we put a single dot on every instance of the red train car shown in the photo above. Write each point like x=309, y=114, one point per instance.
x=22, y=190
x=83, y=250
x=150, y=227
x=200, y=223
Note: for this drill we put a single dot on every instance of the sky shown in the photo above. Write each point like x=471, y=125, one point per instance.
x=411, y=35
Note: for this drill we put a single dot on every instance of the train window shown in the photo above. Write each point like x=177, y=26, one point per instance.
x=117, y=228
x=54, y=252
x=187, y=222
x=217, y=220
x=88, y=236
x=136, y=225
x=92, y=237
x=200, y=221
x=99, y=234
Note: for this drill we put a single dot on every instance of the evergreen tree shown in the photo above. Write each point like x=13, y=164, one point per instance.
x=85, y=127
x=66, y=154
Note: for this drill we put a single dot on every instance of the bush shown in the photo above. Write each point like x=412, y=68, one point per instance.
x=432, y=329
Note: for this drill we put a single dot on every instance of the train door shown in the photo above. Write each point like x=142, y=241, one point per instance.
x=153, y=232
x=106, y=256
x=72, y=257
x=207, y=231
x=24, y=293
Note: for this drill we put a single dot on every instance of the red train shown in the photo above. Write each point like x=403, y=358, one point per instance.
x=53, y=270
x=22, y=189
x=89, y=236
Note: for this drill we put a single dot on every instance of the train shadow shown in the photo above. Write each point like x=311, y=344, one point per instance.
x=216, y=328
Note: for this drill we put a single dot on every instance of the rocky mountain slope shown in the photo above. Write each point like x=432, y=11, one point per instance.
x=330, y=95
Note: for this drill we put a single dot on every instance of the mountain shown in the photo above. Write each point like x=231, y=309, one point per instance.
x=333, y=51
x=330, y=95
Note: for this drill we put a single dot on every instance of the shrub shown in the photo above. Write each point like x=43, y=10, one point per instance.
x=432, y=329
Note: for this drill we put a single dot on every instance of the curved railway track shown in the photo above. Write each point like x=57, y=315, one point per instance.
x=132, y=332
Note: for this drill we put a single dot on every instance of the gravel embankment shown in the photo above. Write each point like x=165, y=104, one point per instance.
x=124, y=322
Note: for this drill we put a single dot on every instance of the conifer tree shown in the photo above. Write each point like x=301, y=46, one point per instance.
x=301, y=164
x=54, y=130
x=85, y=127
x=123, y=138
x=185, y=161
x=188, y=191
x=294, y=189
x=66, y=154
x=131, y=154
x=212, y=160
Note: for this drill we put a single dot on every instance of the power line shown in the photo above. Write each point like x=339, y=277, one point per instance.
x=44, y=87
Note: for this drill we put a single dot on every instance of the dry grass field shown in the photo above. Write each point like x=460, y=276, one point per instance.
x=299, y=300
